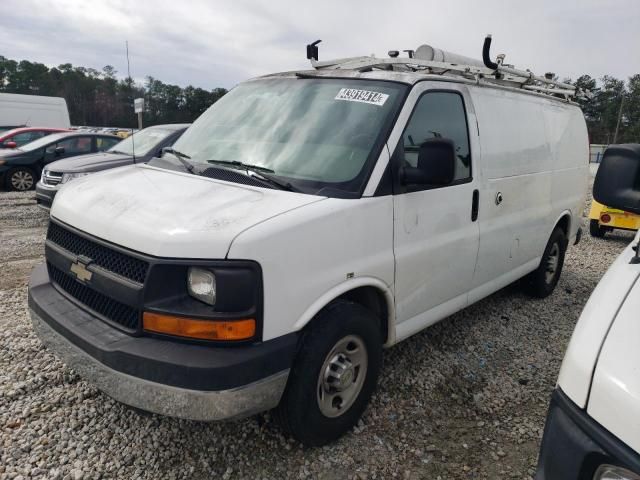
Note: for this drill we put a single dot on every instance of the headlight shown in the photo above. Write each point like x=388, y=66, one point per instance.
x=201, y=285
x=2, y=162
x=611, y=472
x=66, y=177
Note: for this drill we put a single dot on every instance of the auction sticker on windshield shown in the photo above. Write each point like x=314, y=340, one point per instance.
x=362, y=96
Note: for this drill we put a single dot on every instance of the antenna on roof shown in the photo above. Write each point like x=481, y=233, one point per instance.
x=133, y=141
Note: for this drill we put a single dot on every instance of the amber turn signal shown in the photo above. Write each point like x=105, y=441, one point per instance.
x=197, y=328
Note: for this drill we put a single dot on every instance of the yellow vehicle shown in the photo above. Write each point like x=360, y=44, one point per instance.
x=603, y=219
x=123, y=133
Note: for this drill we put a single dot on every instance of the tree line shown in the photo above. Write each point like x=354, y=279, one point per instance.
x=613, y=112
x=99, y=98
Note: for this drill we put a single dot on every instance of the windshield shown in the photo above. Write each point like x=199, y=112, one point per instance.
x=43, y=142
x=319, y=134
x=144, y=141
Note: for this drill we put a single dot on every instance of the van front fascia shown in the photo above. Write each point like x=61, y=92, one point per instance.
x=130, y=283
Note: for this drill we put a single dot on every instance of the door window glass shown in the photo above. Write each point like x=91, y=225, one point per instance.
x=439, y=115
x=75, y=145
x=104, y=143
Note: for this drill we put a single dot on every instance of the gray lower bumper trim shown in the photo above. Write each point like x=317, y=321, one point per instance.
x=164, y=399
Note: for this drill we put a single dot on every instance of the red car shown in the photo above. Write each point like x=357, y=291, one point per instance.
x=20, y=136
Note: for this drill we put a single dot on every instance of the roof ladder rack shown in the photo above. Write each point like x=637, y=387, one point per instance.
x=492, y=73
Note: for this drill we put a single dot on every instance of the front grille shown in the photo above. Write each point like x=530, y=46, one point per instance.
x=116, y=262
x=111, y=309
x=51, y=178
x=233, y=176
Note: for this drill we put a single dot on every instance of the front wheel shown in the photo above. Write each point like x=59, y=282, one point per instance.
x=20, y=179
x=543, y=280
x=334, y=374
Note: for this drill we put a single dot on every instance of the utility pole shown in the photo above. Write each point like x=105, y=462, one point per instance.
x=615, y=135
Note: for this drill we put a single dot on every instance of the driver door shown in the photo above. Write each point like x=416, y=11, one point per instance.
x=436, y=232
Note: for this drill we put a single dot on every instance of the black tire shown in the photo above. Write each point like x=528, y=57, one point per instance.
x=596, y=230
x=20, y=179
x=542, y=281
x=299, y=413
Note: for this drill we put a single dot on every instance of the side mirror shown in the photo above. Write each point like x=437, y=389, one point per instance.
x=59, y=150
x=617, y=182
x=436, y=164
x=10, y=144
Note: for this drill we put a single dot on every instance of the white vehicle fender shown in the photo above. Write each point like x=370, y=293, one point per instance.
x=565, y=213
x=344, y=287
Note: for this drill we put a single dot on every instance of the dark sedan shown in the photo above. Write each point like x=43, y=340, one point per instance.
x=145, y=144
x=20, y=168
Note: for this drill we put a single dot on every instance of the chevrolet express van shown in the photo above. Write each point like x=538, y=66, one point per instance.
x=303, y=223
x=593, y=426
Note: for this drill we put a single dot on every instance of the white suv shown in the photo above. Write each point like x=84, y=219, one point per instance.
x=301, y=224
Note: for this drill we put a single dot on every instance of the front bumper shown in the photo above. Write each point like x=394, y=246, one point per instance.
x=192, y=381
x=574, y=445
x=45, y=194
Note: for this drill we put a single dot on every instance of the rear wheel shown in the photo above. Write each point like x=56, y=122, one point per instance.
x=334, y=374
x=543, y=280
x=596, y=230
x=20, y=179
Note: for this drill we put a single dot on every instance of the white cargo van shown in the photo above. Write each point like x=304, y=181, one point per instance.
x=301, y=224
x=593, y=426
x=32, y=111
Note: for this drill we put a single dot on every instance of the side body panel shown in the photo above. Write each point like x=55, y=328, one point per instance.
x=33, y=110
x=534, y=170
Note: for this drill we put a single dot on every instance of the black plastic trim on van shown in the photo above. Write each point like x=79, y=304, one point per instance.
x=574, y=445
x=192, y=366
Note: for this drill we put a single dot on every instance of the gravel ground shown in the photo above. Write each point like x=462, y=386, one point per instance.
x=466, y=398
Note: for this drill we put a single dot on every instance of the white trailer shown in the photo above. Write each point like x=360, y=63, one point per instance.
x=33, y=111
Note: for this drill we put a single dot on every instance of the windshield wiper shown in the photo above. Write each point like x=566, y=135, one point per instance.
x=119, y=152
x=182, y=158
x=261, y=172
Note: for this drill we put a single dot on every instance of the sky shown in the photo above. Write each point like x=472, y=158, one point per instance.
x=218, y=43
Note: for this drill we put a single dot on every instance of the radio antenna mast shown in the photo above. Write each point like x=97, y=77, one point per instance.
x=130, y=81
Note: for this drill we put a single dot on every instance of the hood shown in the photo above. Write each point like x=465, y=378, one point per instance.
x=595, y=320
x=166, y=213
x=93, y=162
x=614, y=401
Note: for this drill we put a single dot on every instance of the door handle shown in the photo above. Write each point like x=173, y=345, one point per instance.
x=475, y=205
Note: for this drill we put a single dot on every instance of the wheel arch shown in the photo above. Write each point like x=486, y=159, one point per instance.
x=370, y=292
x=564, y=221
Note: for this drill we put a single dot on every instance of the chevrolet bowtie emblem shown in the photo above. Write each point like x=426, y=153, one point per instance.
x=80, y=270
